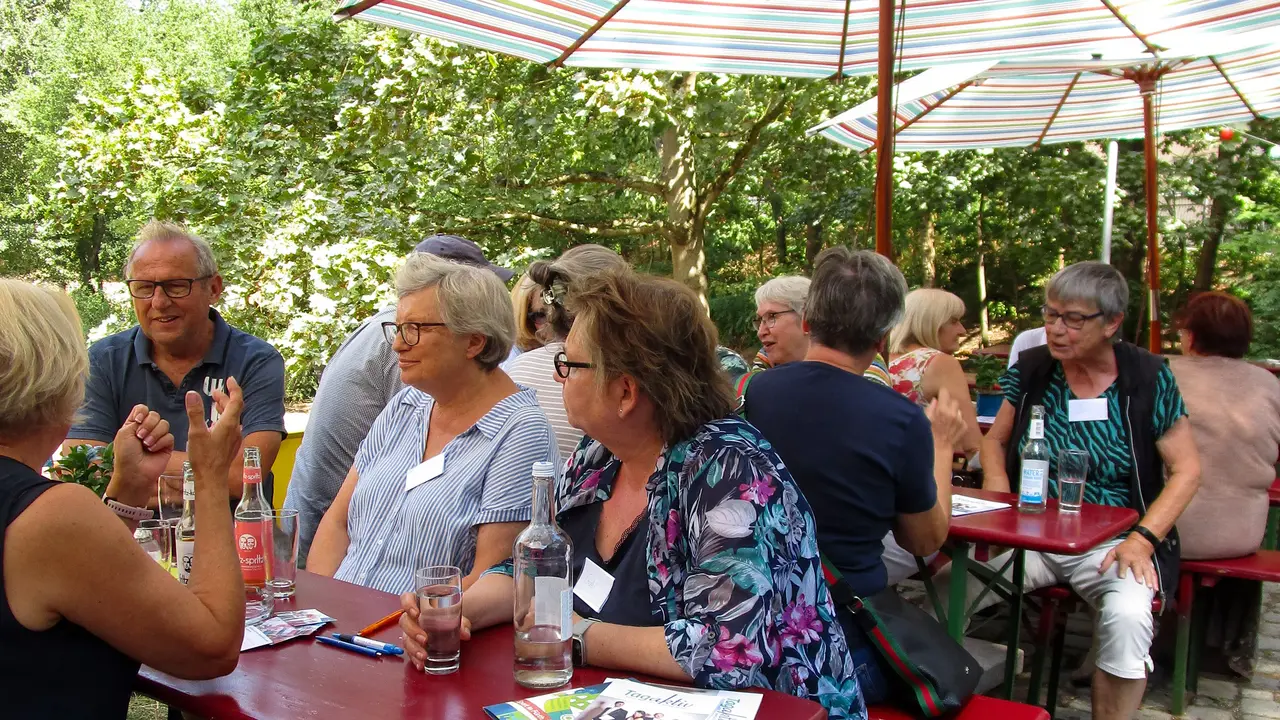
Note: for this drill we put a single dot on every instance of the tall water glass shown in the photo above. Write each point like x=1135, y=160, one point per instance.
x=1073, y=470
x=154, y=539
x=440, y=615
x=284, y=553
x=169, y=496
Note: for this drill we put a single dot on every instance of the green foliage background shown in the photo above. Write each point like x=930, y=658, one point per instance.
x=314, y=154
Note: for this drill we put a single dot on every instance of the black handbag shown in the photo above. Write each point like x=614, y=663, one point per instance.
x=938, y=672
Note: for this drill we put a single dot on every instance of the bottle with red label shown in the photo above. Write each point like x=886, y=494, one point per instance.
x=253, y=541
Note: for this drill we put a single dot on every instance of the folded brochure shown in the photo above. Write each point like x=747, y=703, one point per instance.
x=283, y=626
x=631, y=700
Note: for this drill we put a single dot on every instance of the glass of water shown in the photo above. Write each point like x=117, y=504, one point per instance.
x=1073, y=469
x=284, y=553
x=154, y=538
x=440, y=615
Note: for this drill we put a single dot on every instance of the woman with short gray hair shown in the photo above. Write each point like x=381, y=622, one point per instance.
x=779, y=323
x=1120, y=405
x=443, y=477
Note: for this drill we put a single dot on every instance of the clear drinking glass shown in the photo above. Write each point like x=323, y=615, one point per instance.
x=440, y=615
x=169, y=497
x=154, y=537
x=284, y=552
x=1073, y=470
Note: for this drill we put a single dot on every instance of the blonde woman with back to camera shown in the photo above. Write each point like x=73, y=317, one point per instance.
x=76, y=586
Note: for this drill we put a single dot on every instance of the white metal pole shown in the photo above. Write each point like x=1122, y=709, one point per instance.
x=1113, y=150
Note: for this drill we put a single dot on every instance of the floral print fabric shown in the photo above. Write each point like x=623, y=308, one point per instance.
x=735, y=577
x=907, y=373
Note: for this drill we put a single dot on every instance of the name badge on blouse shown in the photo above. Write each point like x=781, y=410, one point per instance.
x=1087, y=410
x=594, y=585
x=431, y=469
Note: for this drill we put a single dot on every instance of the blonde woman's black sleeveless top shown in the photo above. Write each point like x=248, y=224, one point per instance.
x=62, y=672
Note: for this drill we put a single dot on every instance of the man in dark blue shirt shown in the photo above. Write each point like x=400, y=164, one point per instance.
x=867, y=459
x=180, y=343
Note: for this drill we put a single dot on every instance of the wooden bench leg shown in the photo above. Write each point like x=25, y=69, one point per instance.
x=1181, y=652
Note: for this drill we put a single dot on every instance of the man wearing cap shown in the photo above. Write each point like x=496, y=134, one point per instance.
x=179, y=344
x=359, y=381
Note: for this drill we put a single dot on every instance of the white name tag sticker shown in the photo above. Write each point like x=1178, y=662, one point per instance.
x=428, y=470
x=594, y=585
x=1087, y=410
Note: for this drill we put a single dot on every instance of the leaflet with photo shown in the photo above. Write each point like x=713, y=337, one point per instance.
x=630, y=700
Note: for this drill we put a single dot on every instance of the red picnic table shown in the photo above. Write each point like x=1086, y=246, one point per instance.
x=1051, y=531
x=304, y=679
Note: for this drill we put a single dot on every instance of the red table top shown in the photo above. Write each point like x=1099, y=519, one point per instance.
x=1050, y=531
x=304, y=679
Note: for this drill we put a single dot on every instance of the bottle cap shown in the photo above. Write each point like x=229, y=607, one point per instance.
x=544, y=469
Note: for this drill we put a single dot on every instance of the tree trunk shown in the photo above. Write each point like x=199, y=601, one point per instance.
x=1219, y=210
x=930, y=254
x=812, y=242
x=983, y=327
x=679, y=180
x=777, y=208
x=89, y=253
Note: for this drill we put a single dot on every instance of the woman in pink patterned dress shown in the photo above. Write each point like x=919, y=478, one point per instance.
x=921, y=356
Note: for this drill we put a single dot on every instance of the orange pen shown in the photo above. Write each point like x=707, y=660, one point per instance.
x=382, y=624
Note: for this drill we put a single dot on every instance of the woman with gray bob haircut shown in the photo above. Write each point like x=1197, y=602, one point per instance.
x=854, y=317
x=1120, y=405
x=443, y=477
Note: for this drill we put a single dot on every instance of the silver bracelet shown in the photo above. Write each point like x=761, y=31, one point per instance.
x=128, y=512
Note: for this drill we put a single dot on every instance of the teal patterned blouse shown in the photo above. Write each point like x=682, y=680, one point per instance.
x=1107, y=441
x=735, y=577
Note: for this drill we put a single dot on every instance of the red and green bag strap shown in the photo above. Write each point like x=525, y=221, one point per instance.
x=863, y=614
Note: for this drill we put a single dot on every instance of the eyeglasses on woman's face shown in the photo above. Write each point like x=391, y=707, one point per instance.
x=410, y=332
x=1072, y=320
x=768, y=319
x=563, y=365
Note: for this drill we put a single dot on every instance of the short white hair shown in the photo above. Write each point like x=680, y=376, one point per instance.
x=43, y=360
x=789, y=290
x=162, y=231
x=471, y=300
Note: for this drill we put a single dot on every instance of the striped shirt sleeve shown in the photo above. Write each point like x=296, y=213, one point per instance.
x=508, y=486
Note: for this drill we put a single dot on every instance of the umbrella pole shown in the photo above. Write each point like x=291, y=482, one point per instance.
x=884, y=134
x=1153, y=229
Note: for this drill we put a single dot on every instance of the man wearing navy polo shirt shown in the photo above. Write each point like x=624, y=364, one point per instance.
x=180, y=343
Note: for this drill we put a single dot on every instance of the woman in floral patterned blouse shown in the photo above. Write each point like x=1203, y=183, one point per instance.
x=712, y=550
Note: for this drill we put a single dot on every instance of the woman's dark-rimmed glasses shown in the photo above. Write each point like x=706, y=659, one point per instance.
x=410, y=332
x=1073, y=320
x=564, y=365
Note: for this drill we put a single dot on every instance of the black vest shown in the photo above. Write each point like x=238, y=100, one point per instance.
x=1136, y=383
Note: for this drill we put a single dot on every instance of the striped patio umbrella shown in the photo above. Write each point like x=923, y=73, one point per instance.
x=803, y=38
x=1023, y=103
x=811, y=38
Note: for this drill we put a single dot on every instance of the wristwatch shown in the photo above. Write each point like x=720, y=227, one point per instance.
x=580, y=640
x=128, y=512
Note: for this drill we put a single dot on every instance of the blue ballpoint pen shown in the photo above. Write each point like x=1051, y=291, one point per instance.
x=347, y=646
x=382, y=647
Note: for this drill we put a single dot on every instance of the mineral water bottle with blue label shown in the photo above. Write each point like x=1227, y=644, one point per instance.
x=1033, y=483
x=543, y=560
